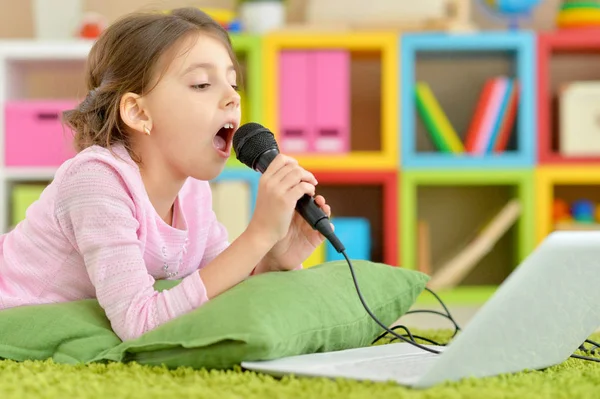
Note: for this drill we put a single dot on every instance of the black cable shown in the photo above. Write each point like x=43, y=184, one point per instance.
x=400, y=337
x=411, y=339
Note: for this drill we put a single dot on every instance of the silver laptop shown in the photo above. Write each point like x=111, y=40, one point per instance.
x=537, y=318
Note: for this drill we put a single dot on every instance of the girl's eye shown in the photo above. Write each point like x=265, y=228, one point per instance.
x=235, y=87
x=201, y=86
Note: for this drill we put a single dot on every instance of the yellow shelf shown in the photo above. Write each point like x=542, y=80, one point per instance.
x=387, y=44
x=546, y=177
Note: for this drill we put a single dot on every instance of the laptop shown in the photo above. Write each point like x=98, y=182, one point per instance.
x=540, y=315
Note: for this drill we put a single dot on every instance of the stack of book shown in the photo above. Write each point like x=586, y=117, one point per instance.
x=492, y=123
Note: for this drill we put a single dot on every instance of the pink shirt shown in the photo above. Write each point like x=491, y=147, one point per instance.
x=95, y=234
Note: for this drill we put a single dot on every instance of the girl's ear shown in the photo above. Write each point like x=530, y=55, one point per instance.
x=133, y=113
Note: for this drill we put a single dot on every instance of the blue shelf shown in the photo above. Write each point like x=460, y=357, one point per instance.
x=248, y=175
x=522, y=43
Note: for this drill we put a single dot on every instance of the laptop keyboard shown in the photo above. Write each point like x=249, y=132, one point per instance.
x=406, y=366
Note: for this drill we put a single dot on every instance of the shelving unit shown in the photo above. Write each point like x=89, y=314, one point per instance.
x=467, y=52
x=392, y=170
x=60, y=66
x=557, y=52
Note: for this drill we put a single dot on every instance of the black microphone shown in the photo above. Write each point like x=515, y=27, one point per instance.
x=255, y=147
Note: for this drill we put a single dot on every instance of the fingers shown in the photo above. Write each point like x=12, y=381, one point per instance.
x=296, y=192
x=320, y=201
x=294, y=176
x=278, y=162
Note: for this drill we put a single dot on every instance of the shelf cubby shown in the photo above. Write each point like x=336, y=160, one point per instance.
x=248, y=50
x=475, y=58
x=372, y=195
x=371, y=107
x=562, y=57
x=569, y=183
x=455, y=204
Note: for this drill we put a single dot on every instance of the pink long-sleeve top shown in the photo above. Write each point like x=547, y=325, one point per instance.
x=95, y=234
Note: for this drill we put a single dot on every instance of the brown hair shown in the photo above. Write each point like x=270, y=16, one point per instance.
x=124, y=59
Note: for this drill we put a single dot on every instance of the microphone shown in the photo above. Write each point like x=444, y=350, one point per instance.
x=255, y=147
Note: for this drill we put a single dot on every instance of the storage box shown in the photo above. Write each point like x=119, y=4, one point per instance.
x=355, y=234
x=314, y=101
x=35, y=135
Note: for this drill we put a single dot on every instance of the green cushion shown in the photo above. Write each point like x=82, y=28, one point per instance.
x=267, y=316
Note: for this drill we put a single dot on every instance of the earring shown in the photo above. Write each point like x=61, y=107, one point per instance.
x=147, y=130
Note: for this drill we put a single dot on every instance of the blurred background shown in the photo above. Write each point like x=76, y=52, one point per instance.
x=449, y=136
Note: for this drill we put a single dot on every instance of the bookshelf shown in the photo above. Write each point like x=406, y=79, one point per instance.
x=391, y=173
x=424, y=57
x=52, y=72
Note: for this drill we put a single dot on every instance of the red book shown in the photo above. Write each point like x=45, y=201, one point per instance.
x=475, y=126
x=509, y=120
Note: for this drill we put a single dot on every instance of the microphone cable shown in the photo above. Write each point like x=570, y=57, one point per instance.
x=410, y=338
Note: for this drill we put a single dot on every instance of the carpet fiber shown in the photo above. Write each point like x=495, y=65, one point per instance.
x=572, y=379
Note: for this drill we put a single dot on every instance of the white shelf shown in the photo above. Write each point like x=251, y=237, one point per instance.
x=28, y=174
x=38, y=50
x=18, y=58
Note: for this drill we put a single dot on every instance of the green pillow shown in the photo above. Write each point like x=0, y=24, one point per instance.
x=267, y=316
x=71, y=332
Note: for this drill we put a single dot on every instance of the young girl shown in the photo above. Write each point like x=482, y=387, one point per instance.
x=134, y=205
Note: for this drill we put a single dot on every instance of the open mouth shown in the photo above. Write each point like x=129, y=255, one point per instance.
x=223, y=138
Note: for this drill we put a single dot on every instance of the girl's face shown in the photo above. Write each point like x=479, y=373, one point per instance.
x=193, y=111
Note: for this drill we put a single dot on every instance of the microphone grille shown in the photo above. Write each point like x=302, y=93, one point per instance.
x=250, y=141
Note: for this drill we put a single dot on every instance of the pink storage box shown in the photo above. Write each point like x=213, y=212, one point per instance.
x=35, y=135
x=314, y=102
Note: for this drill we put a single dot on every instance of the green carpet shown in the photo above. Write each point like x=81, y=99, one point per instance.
x=572, y=379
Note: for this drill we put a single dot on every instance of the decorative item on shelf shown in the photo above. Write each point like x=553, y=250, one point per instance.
x=453, y=271
x=225, y=17
x=513, y=10
x=261, y=16
x=433, y=15
x=491, y=126
x=579, y=118
x=582, y=214
x=56, y=19
x=92, y=25
x=578, y=14
x=560, y=211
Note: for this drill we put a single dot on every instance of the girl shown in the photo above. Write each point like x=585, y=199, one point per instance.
x=134, y=205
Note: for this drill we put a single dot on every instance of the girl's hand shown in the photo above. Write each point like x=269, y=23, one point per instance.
x=298, y=244
x=280, y=187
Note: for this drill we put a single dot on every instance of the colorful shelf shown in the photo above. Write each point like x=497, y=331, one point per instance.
x=530, y=167
x=384, y=44
x=522, y=44
x=549, y=44
x=412, y=180
x=546, y=179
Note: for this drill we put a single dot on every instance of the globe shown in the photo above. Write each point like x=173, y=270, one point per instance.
x=511, y=10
